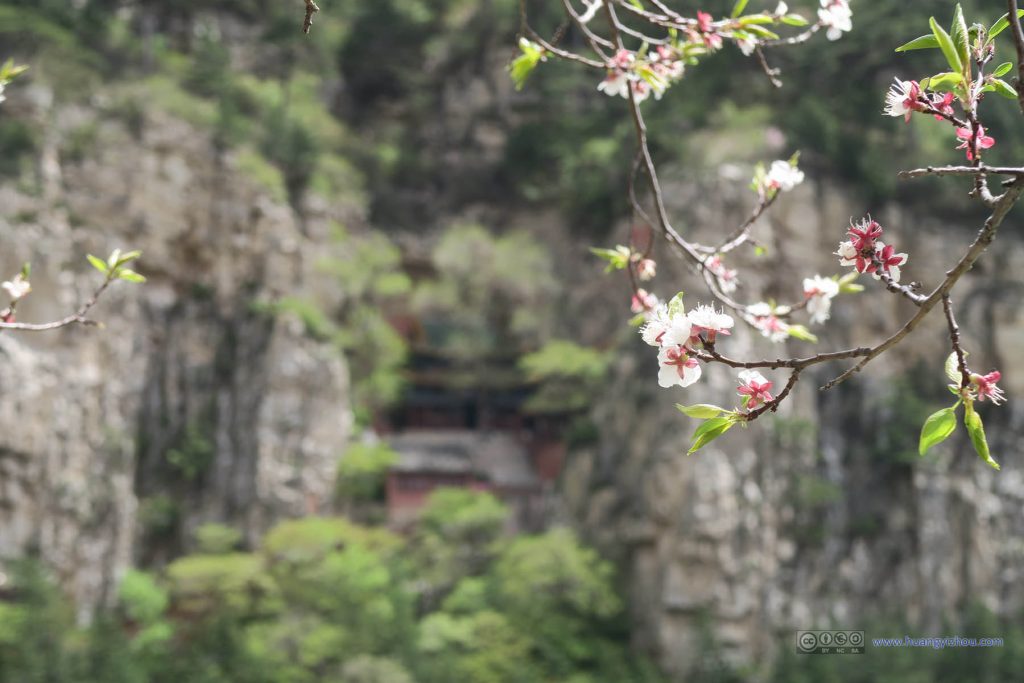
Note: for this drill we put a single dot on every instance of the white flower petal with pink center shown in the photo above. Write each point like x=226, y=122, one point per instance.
x=677, y=368
x=783, y=176
x=644, y=302
x=837, y=17
x=899, y=99
x=615, y=84
x=766, y=320
x=17, y=288
x=755, y=389
x=705, y=320
x=819, y=292
x=986, y=386
x=646, y=269
x=657, y=325
x=678, y=331
x=847, y=253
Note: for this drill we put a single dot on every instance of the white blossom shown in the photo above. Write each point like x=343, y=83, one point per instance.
x=837, y=17
x=615, y=84
x=17, y=288
x=706, y=320
x=766, y=320
x=783, y=176
x=819, y=292
x=676, y=367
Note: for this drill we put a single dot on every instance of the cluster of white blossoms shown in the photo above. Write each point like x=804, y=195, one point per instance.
x=868, y=254
x=726, y=277
x=837, y=17
x=676, y=334
x=767, y=319
x=652, y=74
x=819, y=292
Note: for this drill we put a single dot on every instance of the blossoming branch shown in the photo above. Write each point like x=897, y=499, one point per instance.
x=640, y=49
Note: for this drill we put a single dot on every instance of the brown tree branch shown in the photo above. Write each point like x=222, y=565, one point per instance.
x=311, y=9
x=79, y=317
x=954, y=339
x=1018, y=43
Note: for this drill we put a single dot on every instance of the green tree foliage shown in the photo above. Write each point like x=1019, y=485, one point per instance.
x=323, y=600
x=362, y=470
x=490, y=295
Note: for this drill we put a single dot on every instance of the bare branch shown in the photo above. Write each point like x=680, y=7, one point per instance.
x=954, y=339
x=311, y=9
x=962, y=170
x=79, y=317
x=1018, y=43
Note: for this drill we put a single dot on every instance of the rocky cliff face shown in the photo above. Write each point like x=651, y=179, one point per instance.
x=191, y=404
x=824, y=514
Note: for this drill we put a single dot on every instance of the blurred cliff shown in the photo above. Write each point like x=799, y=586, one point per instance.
x=295, y=200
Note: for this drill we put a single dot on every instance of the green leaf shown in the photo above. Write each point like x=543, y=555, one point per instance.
x=636, y=3
x=98, y=264
x=1002, y=69
x=1001, y=87
x=523, y=65
x=709, y=431
x=701, y=411
x=952, y=368
x=944, y=81
x=26, y=270
x=923, y=43
x=794, y=20
x=959, y=31
x=762, y=32
x=9, y=70
x=130, y=275
x=976, y=430
x=752, y=19
x=115, y=257
x=637, y=320
x=1002, y=23
x=129, y=257
x=947, y=47
x=937, y=428
x=738, y=8
x=617, y=258
x=676, y=306
x=802, y=333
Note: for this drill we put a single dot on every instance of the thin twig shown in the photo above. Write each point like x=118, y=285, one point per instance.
x=78, y=317
x=1018, y=43
x=962, y=170
x=954, y=339
x=311, y=9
